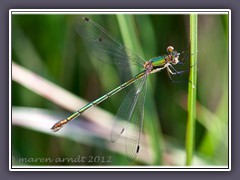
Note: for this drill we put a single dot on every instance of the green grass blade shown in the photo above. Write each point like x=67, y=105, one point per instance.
x=190, y=134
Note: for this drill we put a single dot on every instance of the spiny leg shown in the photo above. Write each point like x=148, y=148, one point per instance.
x=174, y=81
x=179, y=73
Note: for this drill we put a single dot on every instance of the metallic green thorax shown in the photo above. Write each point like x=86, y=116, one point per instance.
x=158, y=61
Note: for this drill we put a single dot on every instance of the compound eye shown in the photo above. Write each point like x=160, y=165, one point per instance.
x=170, y=49
x=175, y=61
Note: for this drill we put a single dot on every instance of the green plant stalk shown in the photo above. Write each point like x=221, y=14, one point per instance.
x=130, y=38
x=192, y=88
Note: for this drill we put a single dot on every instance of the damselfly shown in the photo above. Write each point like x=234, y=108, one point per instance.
x=132, y=107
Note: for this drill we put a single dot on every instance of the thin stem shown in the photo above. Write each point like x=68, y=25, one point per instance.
x=190, y=134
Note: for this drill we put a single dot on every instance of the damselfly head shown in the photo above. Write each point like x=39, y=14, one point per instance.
x=175, y=56
x=175, y=61
x=172, y=55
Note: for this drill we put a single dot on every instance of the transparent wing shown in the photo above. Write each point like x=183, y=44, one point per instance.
x=130, y=118
x=136, y=119
x=101, y=43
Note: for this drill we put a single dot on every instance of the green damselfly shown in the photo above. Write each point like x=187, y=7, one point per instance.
x=132, y=107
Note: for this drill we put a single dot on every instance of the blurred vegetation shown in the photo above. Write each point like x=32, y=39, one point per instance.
x=49, y=46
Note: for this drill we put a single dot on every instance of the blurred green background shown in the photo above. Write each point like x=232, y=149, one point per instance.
x=49, y=46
